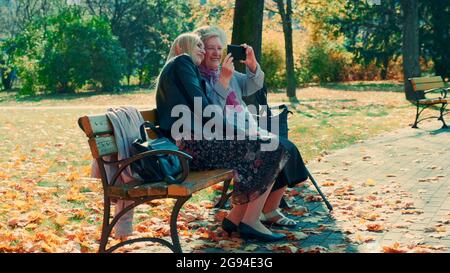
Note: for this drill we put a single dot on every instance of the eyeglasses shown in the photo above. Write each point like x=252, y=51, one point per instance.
x=213, y=49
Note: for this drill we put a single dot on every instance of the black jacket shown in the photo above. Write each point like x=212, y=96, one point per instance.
x=178, y=84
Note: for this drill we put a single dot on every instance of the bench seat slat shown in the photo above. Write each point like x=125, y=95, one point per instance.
x=199, y=180
x=194, y=182
x=432, y=101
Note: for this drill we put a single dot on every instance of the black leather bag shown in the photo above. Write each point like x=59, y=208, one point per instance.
x=158, y=167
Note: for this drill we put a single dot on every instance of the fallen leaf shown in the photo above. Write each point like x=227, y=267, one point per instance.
x=370, y=182
x=375, y=227
x=395, y=248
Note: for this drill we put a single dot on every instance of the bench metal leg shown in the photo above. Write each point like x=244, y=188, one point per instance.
x=441, y=117
x=173, y=223
x=224, y=197
x=108, y=226
x=105, y=231
x=417, y=117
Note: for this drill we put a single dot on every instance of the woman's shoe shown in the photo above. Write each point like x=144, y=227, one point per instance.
x=247, y=232
x=228, y=226
x=277, y=218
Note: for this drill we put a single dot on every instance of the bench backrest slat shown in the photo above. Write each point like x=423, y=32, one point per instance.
x=150, y=115
x=96, y=125
x=101, y=146
x=426, y=83
x=100, y=132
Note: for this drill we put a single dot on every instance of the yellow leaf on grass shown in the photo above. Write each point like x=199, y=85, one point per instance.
x=441, y=229
x=371, y=216
x=87, y=157
x=61, y=220
x=74, y=196
x=86, y=171
x=73, y=176
x=4, y=175
x=370, y=182
x=21, y=205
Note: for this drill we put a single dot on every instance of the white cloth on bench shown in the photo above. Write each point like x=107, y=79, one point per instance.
x=126, y=122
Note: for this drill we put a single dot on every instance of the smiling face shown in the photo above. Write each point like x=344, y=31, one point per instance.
x=213, y=56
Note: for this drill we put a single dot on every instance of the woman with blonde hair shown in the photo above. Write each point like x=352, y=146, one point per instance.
x=255, y=170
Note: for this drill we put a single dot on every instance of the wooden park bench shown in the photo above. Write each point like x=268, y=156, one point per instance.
x=424, y=87
x=102, y=143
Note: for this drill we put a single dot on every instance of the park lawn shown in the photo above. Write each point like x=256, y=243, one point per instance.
x=48, y=203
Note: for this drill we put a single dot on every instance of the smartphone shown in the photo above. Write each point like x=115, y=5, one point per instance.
x=237, y=52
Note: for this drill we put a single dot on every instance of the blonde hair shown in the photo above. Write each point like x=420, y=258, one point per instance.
x=207, y=32
x=184, y=43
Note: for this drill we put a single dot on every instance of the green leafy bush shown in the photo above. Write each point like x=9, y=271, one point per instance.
x=321, y=63
x=24, y=52
x=80, y=51
x=61, y=54
x=273, y=66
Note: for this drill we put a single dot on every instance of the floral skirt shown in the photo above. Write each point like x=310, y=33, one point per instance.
x=255, y=170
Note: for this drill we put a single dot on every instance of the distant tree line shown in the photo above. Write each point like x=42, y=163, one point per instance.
x=374, y=32
x=58, y=46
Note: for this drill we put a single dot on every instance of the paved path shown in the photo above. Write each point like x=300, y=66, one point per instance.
x=390, y=193
x=404, y=177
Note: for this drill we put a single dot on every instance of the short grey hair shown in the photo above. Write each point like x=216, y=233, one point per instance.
x=207, y=32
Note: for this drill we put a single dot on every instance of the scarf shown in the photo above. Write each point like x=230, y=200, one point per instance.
x=213, y=76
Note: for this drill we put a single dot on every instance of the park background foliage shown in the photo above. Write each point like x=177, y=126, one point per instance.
x=62, y=47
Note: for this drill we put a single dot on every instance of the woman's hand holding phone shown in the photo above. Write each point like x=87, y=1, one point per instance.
x=250, y=61
x=226, y=71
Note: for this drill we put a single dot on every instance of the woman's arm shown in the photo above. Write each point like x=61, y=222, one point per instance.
x=250, y=82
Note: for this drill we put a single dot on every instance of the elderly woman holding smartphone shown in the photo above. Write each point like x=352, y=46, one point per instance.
x=226, y=87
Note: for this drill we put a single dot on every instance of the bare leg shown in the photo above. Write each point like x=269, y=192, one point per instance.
x=253, y=212
x=237, y=213
x=273, y=201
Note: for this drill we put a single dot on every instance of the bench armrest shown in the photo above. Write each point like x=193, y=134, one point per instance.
x=183, y=157
x=443, y=91
x=432, y=90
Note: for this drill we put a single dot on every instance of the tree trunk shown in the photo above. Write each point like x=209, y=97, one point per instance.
x=410, y=48
x=384, y=69
x=286, y=19
x=247, y=26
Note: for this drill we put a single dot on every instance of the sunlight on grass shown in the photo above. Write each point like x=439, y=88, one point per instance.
x=45, y=163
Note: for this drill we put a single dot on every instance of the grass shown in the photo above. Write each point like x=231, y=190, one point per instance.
x=366, y=86
x=44, y=167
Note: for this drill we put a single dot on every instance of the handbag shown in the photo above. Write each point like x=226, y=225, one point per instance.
x=155, y=168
